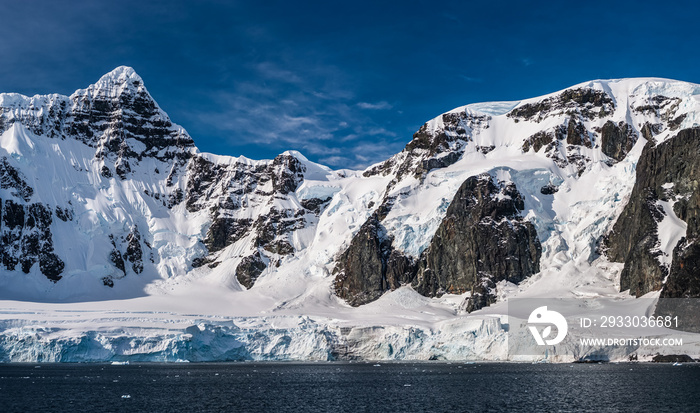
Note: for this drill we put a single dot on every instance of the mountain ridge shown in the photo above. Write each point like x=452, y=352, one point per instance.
x=119, y=119
x=119, y=240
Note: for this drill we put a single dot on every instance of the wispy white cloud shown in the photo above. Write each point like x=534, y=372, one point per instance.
x=268, y=70
x=375, y=106
x=309, y=109
x=380, y=131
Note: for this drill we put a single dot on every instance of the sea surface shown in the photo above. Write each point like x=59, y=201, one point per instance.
x=350, y=387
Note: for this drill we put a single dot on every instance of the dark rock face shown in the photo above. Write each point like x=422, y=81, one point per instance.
x=649, y=130
x=684, y=277
x=116, y=257
x=400, y=270
x=203, y=176
x=563, y=144
x=106, y=172
x=482, y=240
x=226, y=231
x=108, y=116
x=659, y=105
x=634, y=240
x=274, y=227
x=485, y=149
x=64, y=214
x=175, y=198
x=14, y=180
x=26, y=239
x=370, y=267
x=126, y=250
x=617, y=139
x=665, y=108
x=588, y=103
x=538, y=140
x=427, y=149
x=224, y=189
x=122, y=168
x=483, y=295
x=134, y=253
x=272, y=235
x=233, y=183
x=361, y=268
x=250, y=269
x=675, y=123
x=287, y=173
x=315, y=205
x=679, y=299
x=455, y=128
x=428, y=165
x=49, y=122
x=576, y=134
x=549, y=189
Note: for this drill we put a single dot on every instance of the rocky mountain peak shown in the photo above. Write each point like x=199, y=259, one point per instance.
x=119, y=107
x=120, y=90
x=123, y=79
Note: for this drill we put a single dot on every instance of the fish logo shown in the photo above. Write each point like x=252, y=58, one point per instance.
x=541, y=316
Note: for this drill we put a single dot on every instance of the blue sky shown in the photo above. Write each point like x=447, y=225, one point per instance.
x=345, y=83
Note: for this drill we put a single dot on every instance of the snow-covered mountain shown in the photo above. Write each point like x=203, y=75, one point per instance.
x=102, y=190
x=106, y=204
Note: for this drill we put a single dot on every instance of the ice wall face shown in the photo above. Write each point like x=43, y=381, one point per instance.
x=242, y=339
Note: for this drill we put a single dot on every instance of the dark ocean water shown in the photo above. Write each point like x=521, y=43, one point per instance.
x=349, y=387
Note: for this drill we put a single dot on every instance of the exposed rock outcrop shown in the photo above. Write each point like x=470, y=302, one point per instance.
x=126, y=250
x=232, y=184
x=370, y=267
x=587, y=102
x=563, y=144
x=241, y=185
x=481, y=241
x=538, y=140
x=576, y=133
x=26, y=239
x=226, y=231
x=434, y=145
x=669, y=172
x=617, y=139
x=250, y=269
x=134, y=252
x=14, y=180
